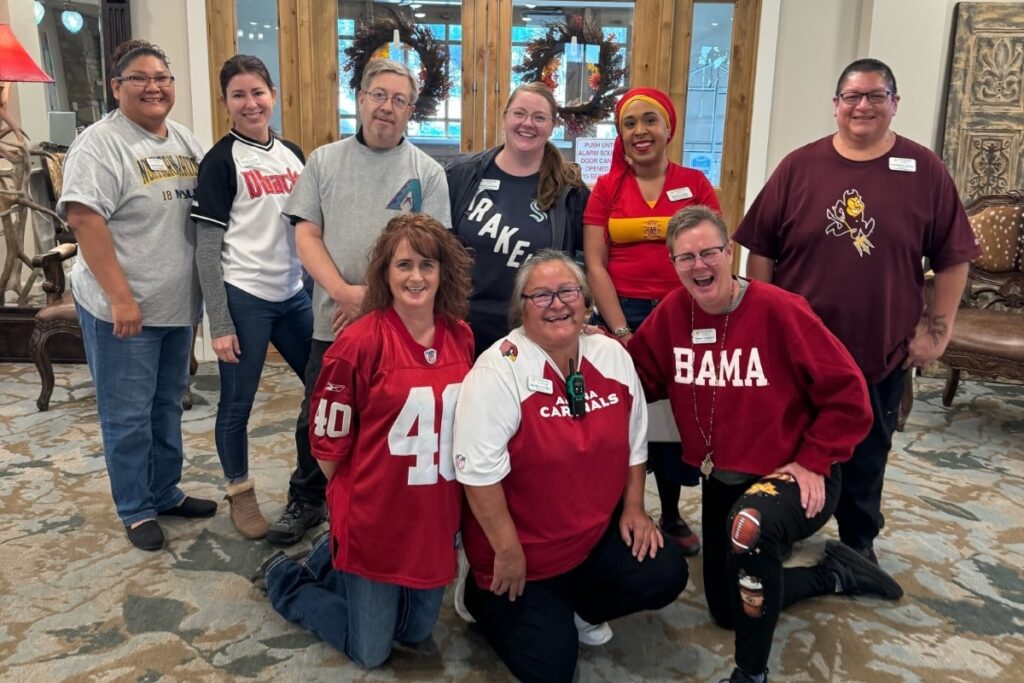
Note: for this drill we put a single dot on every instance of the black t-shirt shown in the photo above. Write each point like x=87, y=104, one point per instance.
x=504, y=227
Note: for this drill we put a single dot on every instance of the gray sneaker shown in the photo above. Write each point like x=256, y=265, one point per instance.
x=298, y=518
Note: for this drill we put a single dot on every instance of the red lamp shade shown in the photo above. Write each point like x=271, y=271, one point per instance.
x=15, y=64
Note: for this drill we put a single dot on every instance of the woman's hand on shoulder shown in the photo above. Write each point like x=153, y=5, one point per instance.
x=509, y=573
x=227, y=348
x=640, y=532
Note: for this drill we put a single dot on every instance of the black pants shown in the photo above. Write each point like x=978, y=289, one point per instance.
x=747, y=587
x=860, y=506
x=308, y=483
x=535, y=635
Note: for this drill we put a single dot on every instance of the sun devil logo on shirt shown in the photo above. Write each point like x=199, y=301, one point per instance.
x=847, y=217
x=409, y=198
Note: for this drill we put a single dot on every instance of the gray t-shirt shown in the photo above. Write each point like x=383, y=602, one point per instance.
x=351, y=192
x=142, y=185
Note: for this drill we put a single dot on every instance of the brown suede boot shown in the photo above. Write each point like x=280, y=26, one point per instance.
x=245, y=510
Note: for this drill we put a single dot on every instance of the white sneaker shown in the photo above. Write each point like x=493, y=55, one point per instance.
x=592, y=634
x=460, y=589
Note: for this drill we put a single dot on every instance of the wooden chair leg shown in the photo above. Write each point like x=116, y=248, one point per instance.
x=952, y=380
x=37, y=348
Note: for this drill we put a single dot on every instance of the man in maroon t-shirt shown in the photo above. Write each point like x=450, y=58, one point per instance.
x=845, y=222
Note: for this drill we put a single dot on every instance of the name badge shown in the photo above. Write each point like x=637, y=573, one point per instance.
x=489, y=184
x=156, y=164
x=544, y=386
x=706, y=335
x=679, y=194
x=901, y=164
x=248, y=159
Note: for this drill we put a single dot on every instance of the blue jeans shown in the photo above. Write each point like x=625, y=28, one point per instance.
x=139, y=384
x=357, y=616
x=289, y=326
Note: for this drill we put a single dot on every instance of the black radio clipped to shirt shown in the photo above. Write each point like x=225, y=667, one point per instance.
x=577, y=392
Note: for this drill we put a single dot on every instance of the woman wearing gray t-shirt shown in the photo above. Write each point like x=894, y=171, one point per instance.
x=128, y=185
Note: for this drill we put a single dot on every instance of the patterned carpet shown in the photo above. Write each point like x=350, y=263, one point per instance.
x=79, y=604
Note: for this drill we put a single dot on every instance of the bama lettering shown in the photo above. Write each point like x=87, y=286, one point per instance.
x=716, y=369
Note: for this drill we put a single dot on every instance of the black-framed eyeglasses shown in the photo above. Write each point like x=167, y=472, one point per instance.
x=852, y=98
x=710, y=256
x=399, y=102
x=141, y=80
x=544, y=299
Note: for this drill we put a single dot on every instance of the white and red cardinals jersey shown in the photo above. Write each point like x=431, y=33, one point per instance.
x=562, y=476
x=383, y=408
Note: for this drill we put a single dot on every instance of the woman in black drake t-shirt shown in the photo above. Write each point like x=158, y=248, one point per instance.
x=510, y=201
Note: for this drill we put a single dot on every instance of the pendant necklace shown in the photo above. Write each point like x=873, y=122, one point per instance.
x=707, y=465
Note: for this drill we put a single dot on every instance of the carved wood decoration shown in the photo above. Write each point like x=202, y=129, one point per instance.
x=984, y=129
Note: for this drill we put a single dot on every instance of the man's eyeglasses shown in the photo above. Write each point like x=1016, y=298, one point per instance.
x=710, y=256
x=399, y=102
x=141, y=80
x=544, y=299
x=520, y=115
x=851, y=99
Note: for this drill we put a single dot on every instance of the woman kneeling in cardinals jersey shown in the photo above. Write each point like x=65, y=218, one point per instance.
x=551, y=446
x=768, y=403
x=383, y=408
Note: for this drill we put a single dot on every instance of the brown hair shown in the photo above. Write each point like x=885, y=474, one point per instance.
x=555, y=171
x=126, y=52
x=243, y=64
x=431, y=239
x=691, y=217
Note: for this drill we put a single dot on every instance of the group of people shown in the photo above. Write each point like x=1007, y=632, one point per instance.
x=467, y=416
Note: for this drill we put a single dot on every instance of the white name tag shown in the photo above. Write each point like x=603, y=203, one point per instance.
x=156, y=164
x=901, y=164
x=489, y=184
x=679, y=193
x=248, y=159
x=544, y=386
x=707, y=335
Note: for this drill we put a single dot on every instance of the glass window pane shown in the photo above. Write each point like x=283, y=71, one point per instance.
x=575, y=72
x=257, y=35
x=436, y=136
x=707, y=89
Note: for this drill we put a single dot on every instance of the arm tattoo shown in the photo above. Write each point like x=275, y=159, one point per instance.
x=937, y=328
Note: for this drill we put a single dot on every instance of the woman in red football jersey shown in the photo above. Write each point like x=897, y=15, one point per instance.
x=382, y=433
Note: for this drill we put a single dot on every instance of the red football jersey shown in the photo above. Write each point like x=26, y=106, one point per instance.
x=383, y=408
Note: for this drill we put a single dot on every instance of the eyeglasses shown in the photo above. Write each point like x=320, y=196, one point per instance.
x=399, y=102
x=141, y=80
x=520, y=115
x=544, y=299
x=710, y=256
x=874, y=97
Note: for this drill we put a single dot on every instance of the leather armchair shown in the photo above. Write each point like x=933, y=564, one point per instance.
x=988, y=335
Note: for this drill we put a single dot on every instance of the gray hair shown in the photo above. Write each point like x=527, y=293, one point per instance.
x=379, y=66
x=691, y=217
x=515, y=306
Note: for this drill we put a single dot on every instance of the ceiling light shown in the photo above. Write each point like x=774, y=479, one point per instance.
x=420, y=15
x=72, y=20
x=39, y=11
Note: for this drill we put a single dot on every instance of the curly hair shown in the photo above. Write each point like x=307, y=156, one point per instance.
x=428, y=238
x=129, y=50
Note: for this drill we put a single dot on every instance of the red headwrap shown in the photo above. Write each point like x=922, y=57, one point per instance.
x=661, y=102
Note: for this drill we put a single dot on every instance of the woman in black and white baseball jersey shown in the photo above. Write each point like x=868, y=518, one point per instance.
x=249, y=269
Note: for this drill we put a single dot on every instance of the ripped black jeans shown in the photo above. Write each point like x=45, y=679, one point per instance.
x=744, y=581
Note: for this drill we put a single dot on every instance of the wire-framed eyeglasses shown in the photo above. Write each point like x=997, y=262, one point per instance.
x=399, y=102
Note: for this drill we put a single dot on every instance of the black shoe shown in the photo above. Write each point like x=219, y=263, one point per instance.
x=680, y=533
x=146, y=536
x=739, y=676
x=298, y=517
x=858, y=574
x=259, y=579
x=192, y=508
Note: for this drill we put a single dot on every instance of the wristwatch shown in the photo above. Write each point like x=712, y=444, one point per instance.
x=621, y=332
